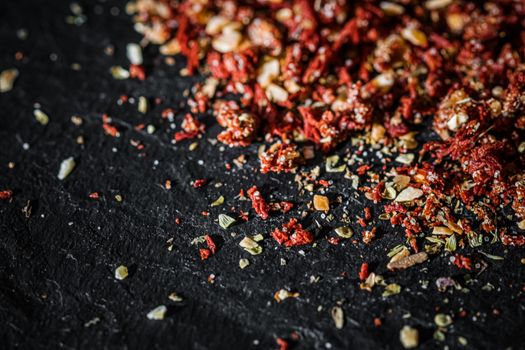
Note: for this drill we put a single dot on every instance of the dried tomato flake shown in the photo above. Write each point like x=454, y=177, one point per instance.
x=258, y=203
x=94, y=195
x=211, y=245
x=6, y=194
x=363, y=272
x=110, y=130
x=292, y=234
x=199, y=183
x=204, y=253
x=462, y=262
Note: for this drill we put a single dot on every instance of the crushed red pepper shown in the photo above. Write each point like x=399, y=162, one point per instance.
x=199, y=183
x=258, y=202
x=363, y=272
x=204, y=253
x=94, y=195
x=307, y=74
x=292, y=234
x=211, y=245
x=462, y=262
x=6, y=194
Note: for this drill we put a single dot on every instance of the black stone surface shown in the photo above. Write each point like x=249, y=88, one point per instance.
x=57, y=266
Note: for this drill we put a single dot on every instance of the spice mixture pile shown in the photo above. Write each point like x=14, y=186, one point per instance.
x=298, y=73
x=418, y=105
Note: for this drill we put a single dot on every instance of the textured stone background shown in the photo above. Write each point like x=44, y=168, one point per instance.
x=56, y=267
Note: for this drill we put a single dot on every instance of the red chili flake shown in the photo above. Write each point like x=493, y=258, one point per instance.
x=284, y=207
x=199, y=183
x=205, y=213
x=334, y=240
x=137, y=144
x=378, y=322
x=191, y=126
x=283, y=344
x=94, y=195
x=177, y=221
x=137, y=71
x=368, y=235
x=368, y=213
x=462, y=262
x=324, y=183
x=363, y=169
x=110, y=130
x=167, y=184
x=363, y=272
x=292, y=234
x=168, y=113
x=204, y=253
x=6, y=194
x=518, y=240
x=211, y=245
x=241, y=194
x=258, y=203
x=413, y=244
x=243, y=216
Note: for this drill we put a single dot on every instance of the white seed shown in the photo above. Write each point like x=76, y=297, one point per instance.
x=437, y=4
x=41, y=117
x=7, y=79
x=121, y=272
x=457, y=120
x=66, y=167
x=210, y=86
x=409, y=194
x=157, y=313
x=284, y=14
x=119, y=73
x=291, y=86
x=401, y=182
x=338, y=316
x=276, y=93
x=409, y=337
x=243, y=263
x=134, y=53
x=172, y=47
x=268, y=72
x=391, y=9
x=456, y=22
x=384, y=81
x=405, y=158
x=414, y=36
x=143, y=105
x=228, y=41
x=215, y=25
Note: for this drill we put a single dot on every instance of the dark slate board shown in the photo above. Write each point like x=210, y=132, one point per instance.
x=57, y=266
